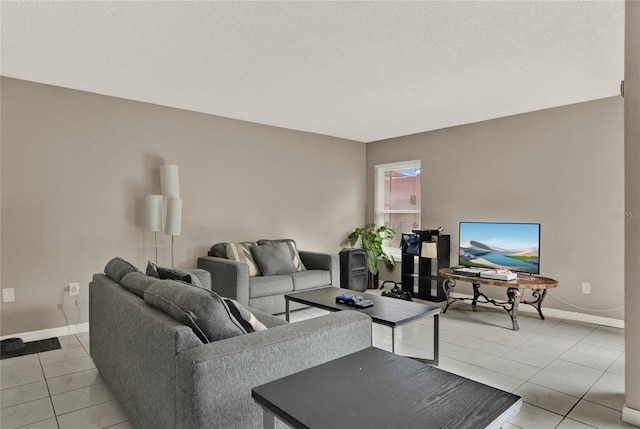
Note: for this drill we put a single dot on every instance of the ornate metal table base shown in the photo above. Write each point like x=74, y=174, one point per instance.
x=510, y=306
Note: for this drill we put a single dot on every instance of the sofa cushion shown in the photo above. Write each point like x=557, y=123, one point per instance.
x=290, y=247
x=310, y=279
x=241, y=252
x=218, y=250
x=137, y=282
x=163, y=273
x=117, y=268
x=273, y=259
x=202, y=310
x=244, y=316
x=270, y=285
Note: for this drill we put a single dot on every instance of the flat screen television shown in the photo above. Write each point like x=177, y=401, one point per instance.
x=514, y=246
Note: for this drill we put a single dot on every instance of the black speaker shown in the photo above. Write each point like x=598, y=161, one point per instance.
x=353, y=269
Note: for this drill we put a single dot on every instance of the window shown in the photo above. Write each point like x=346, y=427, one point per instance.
x=398, y=199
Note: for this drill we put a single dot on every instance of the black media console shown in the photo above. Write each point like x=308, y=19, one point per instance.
x=426, y=283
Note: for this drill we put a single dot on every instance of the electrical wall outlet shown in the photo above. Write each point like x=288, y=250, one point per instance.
x=8, y=295
x=586, y=288
x=74, y=289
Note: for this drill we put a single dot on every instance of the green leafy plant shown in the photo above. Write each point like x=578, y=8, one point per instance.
x=371, y=239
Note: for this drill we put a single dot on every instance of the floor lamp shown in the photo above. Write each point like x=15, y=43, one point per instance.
x=170, y=204
x=169, y=181
x=154, y=217
x=170, y=188
x=173, y=222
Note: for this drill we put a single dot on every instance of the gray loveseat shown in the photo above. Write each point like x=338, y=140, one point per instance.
x=165, y=376
x=237, y=279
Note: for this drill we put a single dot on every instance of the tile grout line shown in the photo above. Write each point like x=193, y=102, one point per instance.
x=459, y=330
x=582, y=398
x=73, y=390
x=92, y=405
x=46, y=380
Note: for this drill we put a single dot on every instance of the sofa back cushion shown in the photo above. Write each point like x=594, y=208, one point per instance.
x=117, y=268
x=154, y=270
x=218, y=250
x=290, y=246
x=241, y=252
x=201, y=309
x=273, y=259
x=137, y=283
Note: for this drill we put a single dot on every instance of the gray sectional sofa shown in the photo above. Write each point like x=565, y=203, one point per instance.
x=165, y=376
x=239, y=280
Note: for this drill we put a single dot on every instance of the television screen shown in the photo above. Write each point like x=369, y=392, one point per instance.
x=514, y=246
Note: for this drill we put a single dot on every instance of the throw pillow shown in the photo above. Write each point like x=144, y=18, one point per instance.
x=137, y=283
x=152, y=270
x=218, y=250
x=290, y=246
x=245, y=317
x=273, y=259
x=117, y=268
x=163, y=273
x=241, y=252
x=202, y=310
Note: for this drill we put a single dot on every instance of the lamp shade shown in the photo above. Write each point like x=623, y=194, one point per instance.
x=174, y=216
x=170, y=181
x=154, y=212
x=429, y=249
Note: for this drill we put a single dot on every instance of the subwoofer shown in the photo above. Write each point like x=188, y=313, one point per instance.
x=353, y=269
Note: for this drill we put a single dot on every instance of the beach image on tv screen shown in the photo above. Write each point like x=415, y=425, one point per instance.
x=514, y=246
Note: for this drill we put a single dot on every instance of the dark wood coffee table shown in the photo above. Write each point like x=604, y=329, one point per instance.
x=385, y=311
x=537, y=284
x=408, y=394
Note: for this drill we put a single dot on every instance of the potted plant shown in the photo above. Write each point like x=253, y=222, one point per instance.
x=371, y=238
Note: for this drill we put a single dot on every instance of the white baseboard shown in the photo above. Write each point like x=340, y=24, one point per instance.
x=578, y=317
x=631, y=416
x=50, y=333
x=560, y=314
x=550, y=312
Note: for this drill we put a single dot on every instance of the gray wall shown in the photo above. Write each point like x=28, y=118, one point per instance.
x=632, y=226
x=560, y=167
x=76, y=168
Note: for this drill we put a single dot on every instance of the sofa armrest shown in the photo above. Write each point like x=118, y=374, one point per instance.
x=229, y=278
x=322, y=261
x=214, y=381
x=203, y=275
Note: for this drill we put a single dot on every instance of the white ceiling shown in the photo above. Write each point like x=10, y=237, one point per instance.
x=364, y=71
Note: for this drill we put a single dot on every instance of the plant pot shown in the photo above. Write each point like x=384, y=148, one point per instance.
x=372, y=282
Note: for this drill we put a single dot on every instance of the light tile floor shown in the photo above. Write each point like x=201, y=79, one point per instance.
x=59, y=389
x=569, y=374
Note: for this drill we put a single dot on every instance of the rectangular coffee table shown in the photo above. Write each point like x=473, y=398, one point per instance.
x=385, y=311
x=408, y=394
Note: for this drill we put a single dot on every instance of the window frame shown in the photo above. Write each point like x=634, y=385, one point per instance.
x=378, y=199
